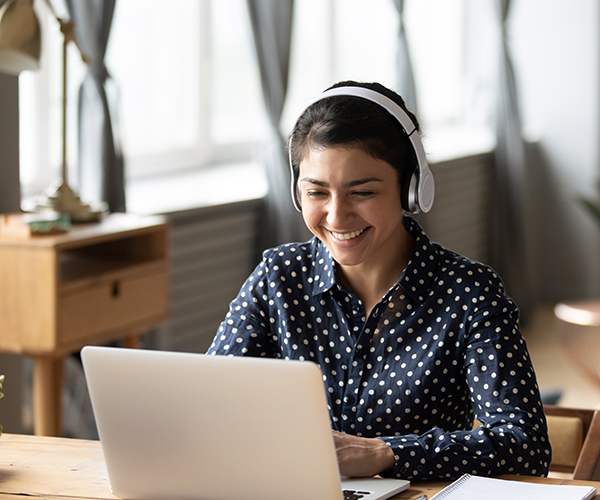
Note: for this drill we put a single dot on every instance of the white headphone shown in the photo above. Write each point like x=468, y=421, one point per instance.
x=421, y=191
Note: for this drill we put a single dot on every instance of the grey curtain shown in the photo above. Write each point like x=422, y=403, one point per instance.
x=509, y=252
x=101, y=166
x=10, y=187
x=406, y=81
x=272, y=27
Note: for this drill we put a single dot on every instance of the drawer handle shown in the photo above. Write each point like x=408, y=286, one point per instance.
x=116, y=289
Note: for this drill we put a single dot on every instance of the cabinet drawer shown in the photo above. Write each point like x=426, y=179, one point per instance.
x=135, y=302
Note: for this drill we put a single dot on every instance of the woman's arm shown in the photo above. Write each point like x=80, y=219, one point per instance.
x=504, y=396
x=245, y=330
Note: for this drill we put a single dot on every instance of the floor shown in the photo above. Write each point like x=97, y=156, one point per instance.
x=555, y=371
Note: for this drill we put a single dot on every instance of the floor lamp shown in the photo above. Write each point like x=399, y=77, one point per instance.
x=20, y=49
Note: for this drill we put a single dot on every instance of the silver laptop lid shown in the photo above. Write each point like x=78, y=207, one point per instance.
x=188, y=426
x=176, y=425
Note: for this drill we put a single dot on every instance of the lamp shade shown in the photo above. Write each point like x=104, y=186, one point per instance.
x=20, y=37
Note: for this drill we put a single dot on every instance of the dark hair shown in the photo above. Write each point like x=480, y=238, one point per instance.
x=355, y=122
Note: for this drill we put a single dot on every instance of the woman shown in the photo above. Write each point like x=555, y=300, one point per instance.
x=414, y=340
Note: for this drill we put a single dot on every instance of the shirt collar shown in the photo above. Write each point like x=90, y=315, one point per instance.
x=323, y=274
x=416, y=279
x=419, y=274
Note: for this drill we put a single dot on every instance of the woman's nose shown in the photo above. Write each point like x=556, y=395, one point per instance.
x=339, y=213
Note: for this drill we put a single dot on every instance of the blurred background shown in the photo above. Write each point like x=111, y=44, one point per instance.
x=201, y=94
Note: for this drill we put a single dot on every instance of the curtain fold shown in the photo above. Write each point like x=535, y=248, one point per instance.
x=271, y=22
x=101, y=167
x=10, y=186
x=406, y=80
x=509, y=249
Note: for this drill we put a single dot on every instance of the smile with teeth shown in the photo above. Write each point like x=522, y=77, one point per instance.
x=348, y=236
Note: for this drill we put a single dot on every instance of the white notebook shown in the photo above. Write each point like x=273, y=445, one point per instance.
x=485, y=488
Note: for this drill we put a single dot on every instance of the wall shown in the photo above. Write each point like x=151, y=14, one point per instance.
x=555, y=46
x=10, y=366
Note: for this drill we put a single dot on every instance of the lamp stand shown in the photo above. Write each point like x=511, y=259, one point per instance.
x=59, y=196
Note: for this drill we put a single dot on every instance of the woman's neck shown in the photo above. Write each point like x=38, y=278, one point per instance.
x=371, y=281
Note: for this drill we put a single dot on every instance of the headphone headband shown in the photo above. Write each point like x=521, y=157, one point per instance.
x=422, y=189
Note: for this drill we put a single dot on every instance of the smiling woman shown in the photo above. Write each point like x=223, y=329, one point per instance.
x=414, y=341
x=351, y=202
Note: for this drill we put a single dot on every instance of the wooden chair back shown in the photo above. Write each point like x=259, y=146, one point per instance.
x=575, y=439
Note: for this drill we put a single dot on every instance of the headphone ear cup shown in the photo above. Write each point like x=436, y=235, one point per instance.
x=408, y=193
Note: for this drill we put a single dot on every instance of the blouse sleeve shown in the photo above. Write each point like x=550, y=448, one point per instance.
x=245, y=331
x=512, y=438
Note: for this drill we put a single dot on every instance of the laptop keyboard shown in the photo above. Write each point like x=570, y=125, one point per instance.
x=354, y=495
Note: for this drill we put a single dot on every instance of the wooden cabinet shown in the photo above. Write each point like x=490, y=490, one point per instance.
x=96, y=283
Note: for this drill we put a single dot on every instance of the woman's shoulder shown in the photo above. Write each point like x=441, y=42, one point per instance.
x=445, y=263
x=291, y=253
x=463, y=268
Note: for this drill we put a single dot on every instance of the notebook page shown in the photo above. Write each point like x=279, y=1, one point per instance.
x=484, y=488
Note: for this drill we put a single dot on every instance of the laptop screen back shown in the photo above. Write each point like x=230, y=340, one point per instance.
x=189, y=426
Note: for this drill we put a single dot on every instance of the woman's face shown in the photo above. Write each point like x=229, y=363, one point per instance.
x=351, y=202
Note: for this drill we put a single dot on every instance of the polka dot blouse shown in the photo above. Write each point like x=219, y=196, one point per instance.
x=441, y=347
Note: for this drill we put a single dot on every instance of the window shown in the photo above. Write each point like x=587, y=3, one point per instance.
x=190, y=92
x=335, y=40
x=191, y=95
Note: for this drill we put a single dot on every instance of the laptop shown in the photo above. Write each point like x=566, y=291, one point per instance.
x=181, y=426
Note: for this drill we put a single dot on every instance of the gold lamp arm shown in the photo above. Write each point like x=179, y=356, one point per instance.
x=63, y=199
x=68, y=30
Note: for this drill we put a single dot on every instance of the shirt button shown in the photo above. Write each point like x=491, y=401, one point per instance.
x=404, y=469
x=350, y=400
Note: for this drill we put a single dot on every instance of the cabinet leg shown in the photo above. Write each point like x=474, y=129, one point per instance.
x=47, y=395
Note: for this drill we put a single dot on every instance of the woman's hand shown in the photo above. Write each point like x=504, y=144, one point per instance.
x=362, y=457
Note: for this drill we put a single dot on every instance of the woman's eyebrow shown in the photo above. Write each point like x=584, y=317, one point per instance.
x=310, y=180
x=357, y=182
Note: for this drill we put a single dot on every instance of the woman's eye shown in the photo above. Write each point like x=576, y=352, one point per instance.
x=315, y=194
x=363, y=194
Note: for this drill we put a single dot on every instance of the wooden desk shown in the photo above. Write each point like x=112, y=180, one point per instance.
x=97, y=283
x=68, y=469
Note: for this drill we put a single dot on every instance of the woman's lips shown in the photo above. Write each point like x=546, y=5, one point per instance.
x=348, y=236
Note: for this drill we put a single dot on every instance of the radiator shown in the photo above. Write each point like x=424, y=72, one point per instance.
x=459, y=219
x=212, y=252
